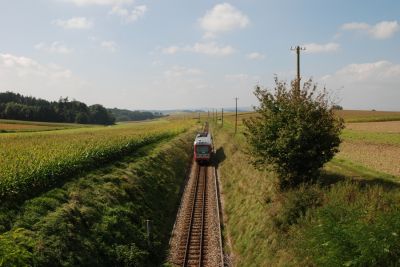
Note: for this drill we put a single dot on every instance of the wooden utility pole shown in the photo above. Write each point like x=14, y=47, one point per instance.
x=222, y=117
x=298, y=49
x=236, y=116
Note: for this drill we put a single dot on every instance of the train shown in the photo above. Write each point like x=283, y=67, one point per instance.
x=203, y=147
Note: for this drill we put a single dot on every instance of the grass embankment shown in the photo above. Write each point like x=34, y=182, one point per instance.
x=33, y=162
x=100, y=219
x=351, y=219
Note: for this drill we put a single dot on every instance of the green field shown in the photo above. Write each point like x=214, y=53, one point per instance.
x=32, y=162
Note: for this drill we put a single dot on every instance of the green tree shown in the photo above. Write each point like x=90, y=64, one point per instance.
x=295, y=133
x=100, y=115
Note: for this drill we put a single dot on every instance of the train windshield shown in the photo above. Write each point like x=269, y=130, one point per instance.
x=202, y=149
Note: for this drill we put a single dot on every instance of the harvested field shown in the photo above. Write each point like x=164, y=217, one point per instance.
x=22, y=127
x=381, y=157
x=365, y=116
x=34, y=126
x=376, y=127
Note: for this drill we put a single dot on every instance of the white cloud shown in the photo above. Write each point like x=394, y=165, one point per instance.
x=24, y=66
x=207, y=48
x=55, y=47
x=255, y=55
x=99, y=2
x=371, y=72
x=381, y=30
x=109, y=45
x=211, y=49
x=242, y=78
x=384, y=29
x=179, y=72
x=173, y=49
x=127, y=15
x=30, y=77
x=320, y=48
x=80, y=23
x=223, y=18
x=367, y=85
x=355, y=26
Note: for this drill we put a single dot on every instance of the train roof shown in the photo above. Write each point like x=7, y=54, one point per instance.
x=203, y=139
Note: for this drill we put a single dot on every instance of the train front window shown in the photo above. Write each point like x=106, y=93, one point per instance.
x=202, y=149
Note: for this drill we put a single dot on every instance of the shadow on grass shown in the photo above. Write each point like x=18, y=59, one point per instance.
x=329, y=178
x=219, y=157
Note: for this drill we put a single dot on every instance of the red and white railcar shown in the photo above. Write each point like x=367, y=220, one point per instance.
x=203, y=147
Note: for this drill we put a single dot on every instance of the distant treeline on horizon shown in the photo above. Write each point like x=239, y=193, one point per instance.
x=15, y=106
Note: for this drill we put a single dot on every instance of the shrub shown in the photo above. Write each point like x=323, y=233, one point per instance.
x=295, y=133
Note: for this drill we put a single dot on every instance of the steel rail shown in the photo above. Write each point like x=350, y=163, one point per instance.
x=187, y=246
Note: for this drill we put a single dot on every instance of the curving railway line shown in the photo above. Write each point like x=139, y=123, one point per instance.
x=196, y=239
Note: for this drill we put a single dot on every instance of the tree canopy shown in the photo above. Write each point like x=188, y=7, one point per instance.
x=295, y=133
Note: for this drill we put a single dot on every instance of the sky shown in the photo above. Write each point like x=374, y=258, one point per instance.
x=159, y=54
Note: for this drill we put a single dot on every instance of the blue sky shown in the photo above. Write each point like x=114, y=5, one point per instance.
x=195, y=54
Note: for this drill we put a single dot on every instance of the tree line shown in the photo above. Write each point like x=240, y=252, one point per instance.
x=128, y=115
x=15, y=106
x=18, y=107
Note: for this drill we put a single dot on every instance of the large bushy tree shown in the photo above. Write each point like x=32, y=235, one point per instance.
x=295, y=132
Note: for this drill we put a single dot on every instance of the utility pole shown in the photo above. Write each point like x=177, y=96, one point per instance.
x=236, y=116
x=298, y=49
x=216, y=116
x=222, y=117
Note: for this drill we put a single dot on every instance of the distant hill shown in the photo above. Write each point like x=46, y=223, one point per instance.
x=18, y=107
x=128, y=115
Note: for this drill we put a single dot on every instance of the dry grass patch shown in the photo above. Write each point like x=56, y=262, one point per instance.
x=381, y=157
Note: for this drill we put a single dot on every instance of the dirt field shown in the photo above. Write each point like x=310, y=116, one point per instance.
x=376, y=127
x=381, y=157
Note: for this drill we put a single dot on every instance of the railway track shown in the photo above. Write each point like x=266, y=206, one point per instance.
x=194, y=246
x=196, y=240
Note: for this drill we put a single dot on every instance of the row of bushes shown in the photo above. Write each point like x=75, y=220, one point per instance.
x=100, y=219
